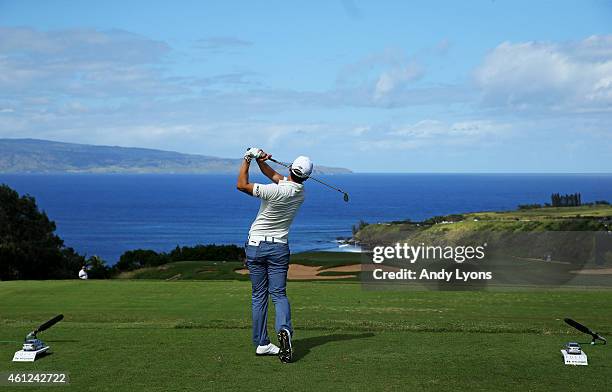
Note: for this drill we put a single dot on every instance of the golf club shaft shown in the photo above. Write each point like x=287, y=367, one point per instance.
x=312, y=177
x=585, y=329
x=50, y=323
x=578, y=326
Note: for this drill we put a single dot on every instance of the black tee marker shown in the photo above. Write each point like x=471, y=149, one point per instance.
x=584, y=329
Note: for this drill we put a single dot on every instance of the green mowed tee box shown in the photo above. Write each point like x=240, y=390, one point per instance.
x=195, y=335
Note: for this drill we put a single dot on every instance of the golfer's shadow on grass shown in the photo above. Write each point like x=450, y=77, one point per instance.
x=303, y=346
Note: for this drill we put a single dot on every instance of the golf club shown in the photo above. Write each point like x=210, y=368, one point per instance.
x=346, y=196
x=33, y=347
x=586, y=330
x=45, y=325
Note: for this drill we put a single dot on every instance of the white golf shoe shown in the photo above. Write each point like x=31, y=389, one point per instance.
x=269, y=349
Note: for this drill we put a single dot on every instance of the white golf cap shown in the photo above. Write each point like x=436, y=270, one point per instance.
x=302, y=167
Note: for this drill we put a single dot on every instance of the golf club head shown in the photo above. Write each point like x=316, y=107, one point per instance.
x=597, y=336
x=346, y=197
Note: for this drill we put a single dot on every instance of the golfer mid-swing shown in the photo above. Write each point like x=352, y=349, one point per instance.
x=267, y=249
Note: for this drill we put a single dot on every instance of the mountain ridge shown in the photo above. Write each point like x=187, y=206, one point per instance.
x=39, y=156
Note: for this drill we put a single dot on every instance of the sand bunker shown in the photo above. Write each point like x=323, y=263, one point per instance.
x=345, y=268
x=307, y=272
x=594, y=271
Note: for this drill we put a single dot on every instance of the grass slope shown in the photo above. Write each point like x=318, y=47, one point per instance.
x=215, y=270
x=189, y=270
x=193, y=336
x=582, y=218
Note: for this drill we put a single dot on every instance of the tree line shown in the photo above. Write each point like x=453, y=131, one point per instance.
x=569, y=200
x=139, y=258
x=30, y=249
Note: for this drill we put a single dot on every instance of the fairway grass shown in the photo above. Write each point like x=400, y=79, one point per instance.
x=125, y=335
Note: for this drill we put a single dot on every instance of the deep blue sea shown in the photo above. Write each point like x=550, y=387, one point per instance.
x=106, y=215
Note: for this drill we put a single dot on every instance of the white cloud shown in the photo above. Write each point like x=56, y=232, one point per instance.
x=574, y=76
x=82, y=46
x=434, y=129
x=443, y=47
x=434, y=133
x=379, y=77
x=112, y=88
x=352, y=10
x=359, y=131
x=81, y=62
x=221, y=43
x=391, y=79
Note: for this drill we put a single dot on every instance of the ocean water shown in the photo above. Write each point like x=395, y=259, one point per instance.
x=106, y=215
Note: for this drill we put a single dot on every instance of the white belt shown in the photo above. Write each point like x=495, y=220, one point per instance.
x=256, y=239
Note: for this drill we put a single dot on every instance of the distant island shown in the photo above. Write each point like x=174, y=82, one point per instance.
x=45, y=156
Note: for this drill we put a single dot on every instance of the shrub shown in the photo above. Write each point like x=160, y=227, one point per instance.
x=29, y=247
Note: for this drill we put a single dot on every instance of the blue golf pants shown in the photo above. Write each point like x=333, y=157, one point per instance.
x=268, y=264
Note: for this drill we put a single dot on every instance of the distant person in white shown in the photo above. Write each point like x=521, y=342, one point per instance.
x=267, y=249
x=83, y=273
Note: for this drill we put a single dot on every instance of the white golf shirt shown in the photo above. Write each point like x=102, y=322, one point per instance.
x=279, y=205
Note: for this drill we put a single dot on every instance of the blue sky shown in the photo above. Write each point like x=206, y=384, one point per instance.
x=392, y=86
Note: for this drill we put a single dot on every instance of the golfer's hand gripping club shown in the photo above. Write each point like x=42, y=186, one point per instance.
x=253, y=152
